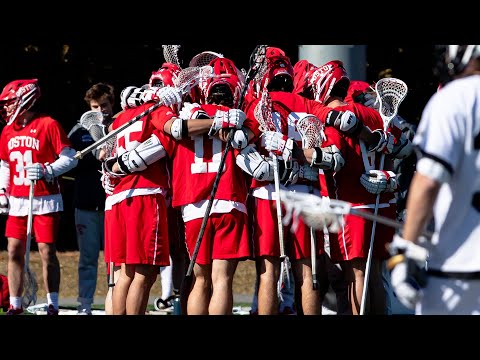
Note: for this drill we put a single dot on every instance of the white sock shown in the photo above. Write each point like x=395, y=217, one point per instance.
x=16, y=302
x=52, y=298
x=166, y=279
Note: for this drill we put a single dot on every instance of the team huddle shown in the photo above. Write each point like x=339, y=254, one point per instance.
x=220, y=148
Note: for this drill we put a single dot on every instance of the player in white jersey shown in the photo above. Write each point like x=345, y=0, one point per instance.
x=447, y=184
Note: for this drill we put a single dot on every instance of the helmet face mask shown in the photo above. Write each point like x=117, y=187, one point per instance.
x=226, y=86
x=165, y=76
x=17, y=97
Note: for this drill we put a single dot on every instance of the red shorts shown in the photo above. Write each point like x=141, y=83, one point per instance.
x=108, y=223
x=265, y=233
x=45, y=227
x=225, y=237
x=353, y=240
x=137, y=231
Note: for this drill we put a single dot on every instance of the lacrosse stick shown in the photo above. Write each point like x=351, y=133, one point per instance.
x=170, y=53
x=30, y=285
x=185, y=81
x=204, y=58
x=310, y=129
x=317, y=211
x=93, y=122
x=256, y=59
x=263, y=114
x=390, y=94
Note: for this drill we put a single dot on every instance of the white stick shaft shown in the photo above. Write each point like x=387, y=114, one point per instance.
x=279, y=206
x=29, y=224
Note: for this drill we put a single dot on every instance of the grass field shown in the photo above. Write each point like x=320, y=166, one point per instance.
x=243, y=284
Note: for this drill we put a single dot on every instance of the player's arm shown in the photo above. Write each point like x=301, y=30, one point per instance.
x=66, y=161
x=138, y=159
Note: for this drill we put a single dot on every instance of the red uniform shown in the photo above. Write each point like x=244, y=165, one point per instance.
x=288, y=108
x=196, y=162
x=137, y=232
x=353, y=240
x=41, y=140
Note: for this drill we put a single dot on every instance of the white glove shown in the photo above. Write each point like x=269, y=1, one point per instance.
x=108, y=183
x=192, y=111
x=405, y=283
x=168, y=95
x=231, y=119
x=279, y=145
x=411, y=250
x=4, y=203
x=379, y=181
x=37, y=171
x=344, y=121
x=371, y=100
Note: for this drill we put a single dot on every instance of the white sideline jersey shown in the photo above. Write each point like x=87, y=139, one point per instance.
x=449, y=132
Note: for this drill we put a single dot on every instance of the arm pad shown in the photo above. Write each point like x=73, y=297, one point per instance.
x=65, y=162
x=254, y=164
x=4, y=175
x=143, y=155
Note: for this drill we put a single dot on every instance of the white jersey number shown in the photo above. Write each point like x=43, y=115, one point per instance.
x=200, y=166
x=21, y=160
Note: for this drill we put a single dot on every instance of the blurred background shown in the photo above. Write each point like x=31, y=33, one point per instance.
x=66, y=69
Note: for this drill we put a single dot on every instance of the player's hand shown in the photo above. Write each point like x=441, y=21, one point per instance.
x=371, y=100
x=192, y=111
x=35, y=171
x=168, y=95
x=279, y=145
x=379, y=181
x=231, y=119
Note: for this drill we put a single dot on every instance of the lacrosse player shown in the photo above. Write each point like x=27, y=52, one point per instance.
x=287, y=109
x=137, y=180
x=89, y=197
x=34, y=151
x=446, y=185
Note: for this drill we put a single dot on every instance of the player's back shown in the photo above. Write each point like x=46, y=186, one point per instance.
x=449, y=131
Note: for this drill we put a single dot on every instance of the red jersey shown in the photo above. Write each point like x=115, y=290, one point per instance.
x=287, y=109
x=345, y=184
x=155, y=175
x=40, y=141
x=195, y=165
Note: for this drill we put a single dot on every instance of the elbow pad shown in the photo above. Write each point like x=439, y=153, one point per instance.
x=4, y=175
x=328, y=158
x=254, y=164
x=65, y=162
x=179, y=129
x=240, y=139
x=143, y=155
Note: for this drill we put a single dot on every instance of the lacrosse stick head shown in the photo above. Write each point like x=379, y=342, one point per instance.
x=164, y=76
x=390, y=92
x=92, y=121
x=310, y=129
x=170, y=54
x=263, y=113
x=317, y=212
x=30, y=288
x=204, y=58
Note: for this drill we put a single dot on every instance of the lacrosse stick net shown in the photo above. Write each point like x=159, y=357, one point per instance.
x=170, y=54
x=204, y=58
x=185, y=81
x=93, y=122
x=263, y=114
x=390, y=93
x=30, y=285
